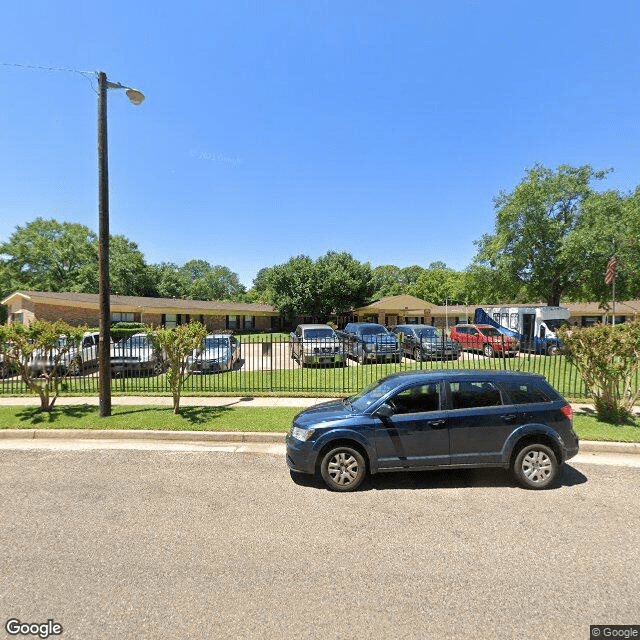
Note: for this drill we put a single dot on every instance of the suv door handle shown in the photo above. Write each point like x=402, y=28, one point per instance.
x=436, y=424
x=509, y=418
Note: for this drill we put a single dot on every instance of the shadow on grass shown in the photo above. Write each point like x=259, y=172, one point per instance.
x=202, y=415
x=631, y=421
x=33, y=415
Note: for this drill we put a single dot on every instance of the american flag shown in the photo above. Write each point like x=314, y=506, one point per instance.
x=610, y=275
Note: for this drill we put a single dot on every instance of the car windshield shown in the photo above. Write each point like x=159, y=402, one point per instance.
x=314, y=334
x=136, y=341
x=372, y=331
x=490, y=332
x=216, y=343
x=427, y=333
x=361, y=401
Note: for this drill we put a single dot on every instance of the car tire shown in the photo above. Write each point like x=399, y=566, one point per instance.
x=343, y=468
x=488, y=351
x=535, y=466
x=417, y=355
x=76, y=367
x=361, y=359
x=552, y=350
x=158, y=368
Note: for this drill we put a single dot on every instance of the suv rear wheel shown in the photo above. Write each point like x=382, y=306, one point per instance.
x=535, y=466
x=343, y=468
x=488, y=351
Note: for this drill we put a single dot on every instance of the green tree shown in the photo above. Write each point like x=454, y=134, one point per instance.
x=333, y=283
x=169, y=281
x=608, y=357
x=178, y=344
x=533, y=223
x=436, y=285
x=389, y=280
x=47, y=255
x=52, y=343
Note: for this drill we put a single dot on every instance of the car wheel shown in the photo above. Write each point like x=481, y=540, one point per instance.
x=552, y=350
x=158, y=368
x=535, y=466
x=417, y=355
x=488, y=351
x=361, y=359
x=343, y=469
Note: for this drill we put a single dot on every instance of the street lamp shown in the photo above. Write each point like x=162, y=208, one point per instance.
x=104, y=351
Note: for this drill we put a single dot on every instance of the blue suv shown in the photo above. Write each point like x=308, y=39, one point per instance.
x=366, y=341
x=437, y=419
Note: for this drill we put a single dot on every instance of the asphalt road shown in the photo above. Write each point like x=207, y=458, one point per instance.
x=208, y=544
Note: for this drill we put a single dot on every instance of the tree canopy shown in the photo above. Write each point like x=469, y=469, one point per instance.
x=533, y=224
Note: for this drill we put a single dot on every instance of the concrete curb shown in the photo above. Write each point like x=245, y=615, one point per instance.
x=586, y=446
x=142, y=434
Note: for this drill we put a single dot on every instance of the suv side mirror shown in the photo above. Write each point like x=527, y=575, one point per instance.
x=384, y=411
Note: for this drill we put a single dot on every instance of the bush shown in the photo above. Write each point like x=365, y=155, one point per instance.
x=607, y=357
x=122, y=330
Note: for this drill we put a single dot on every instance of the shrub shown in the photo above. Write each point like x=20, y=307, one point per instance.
x=53, y=344
x=607, y=357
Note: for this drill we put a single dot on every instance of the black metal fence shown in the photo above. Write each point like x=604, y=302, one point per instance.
x=275, y=365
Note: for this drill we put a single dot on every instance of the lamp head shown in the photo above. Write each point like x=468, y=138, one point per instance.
x=136, y=97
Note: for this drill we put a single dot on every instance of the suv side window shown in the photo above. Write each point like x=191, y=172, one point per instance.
x=467, y=395
x=418, y=399
x=525, y=393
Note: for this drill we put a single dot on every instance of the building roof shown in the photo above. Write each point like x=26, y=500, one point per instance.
x=136, y=303
x=403, y=304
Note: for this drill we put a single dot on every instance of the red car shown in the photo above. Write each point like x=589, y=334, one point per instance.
x=484, y=338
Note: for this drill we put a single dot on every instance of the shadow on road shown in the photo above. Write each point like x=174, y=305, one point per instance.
x=444, y=479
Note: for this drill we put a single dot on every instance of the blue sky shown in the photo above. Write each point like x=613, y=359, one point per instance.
x=273, y=129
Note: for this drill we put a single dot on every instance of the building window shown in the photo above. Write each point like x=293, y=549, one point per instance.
x=170, y=320
x=233, y=322
x=118, y=316
x=249, y=323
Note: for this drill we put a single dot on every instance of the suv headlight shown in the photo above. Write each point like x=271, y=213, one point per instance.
x=301, y=434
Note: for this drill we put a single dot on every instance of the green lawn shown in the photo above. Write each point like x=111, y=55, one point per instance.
x=227, y=419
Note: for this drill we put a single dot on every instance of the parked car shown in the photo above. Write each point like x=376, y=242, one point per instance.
x=484, y=338
x=59, y=355
x=437, y=419
x=423, y=342
x=370, y=341
x=317, y=344
x=136, y=355
x=219, y=352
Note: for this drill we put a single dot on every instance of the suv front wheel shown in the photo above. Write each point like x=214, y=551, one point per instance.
x=535, y=466
x=343, y=468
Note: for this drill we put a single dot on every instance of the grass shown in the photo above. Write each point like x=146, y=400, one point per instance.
x=85, y=416
x=229, y=418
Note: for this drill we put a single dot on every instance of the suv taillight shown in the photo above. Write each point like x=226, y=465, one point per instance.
x=568, y=411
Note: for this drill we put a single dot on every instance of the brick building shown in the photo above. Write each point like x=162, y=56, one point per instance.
x=84, y=308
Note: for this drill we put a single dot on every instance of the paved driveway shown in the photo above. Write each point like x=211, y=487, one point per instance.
x=167, y=544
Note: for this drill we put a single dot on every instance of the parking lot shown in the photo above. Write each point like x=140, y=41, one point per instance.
x=166, y=544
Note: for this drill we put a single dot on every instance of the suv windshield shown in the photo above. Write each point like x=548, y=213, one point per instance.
x=428, y=332
x=216, y=343
x=372, y=331
x=318, y=333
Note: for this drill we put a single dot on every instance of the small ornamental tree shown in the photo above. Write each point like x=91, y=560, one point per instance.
x=178, y=343
x=607, y=358
x=41, y=353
